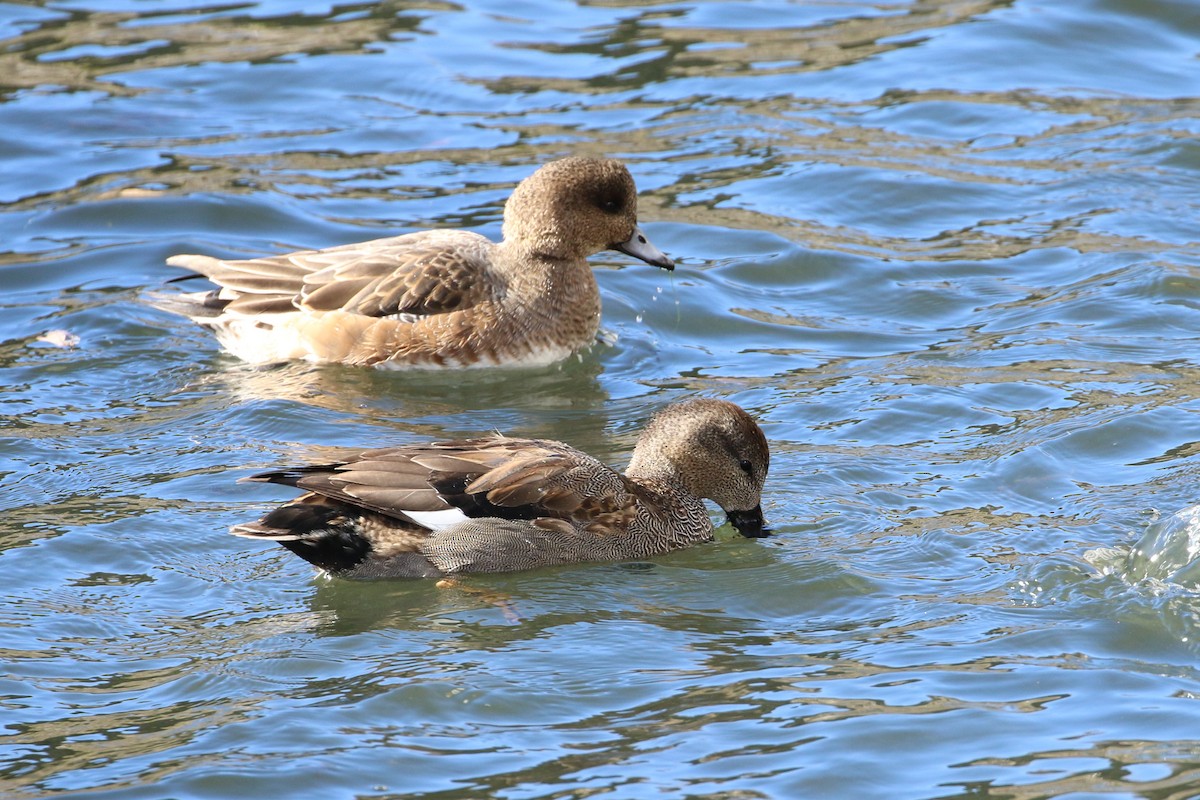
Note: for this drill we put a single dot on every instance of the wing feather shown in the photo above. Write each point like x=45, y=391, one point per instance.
x=418, y=274
x=503, y=478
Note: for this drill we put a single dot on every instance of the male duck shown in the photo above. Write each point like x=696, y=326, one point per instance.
x=501, y=504
x=439, y=298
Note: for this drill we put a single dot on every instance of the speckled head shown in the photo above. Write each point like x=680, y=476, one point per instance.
x=575, y=207
x=716, y=450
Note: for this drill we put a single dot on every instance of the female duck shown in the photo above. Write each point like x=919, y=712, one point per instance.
x=439, y=298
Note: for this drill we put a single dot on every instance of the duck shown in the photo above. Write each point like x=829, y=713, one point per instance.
x=436, y=298
x=502, y=504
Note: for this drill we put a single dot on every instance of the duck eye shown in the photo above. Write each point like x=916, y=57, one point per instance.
x=746, y=466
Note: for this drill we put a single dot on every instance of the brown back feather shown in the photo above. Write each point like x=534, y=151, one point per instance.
x=499, y=477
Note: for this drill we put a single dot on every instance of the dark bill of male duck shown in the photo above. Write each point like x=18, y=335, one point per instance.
x=502, y=504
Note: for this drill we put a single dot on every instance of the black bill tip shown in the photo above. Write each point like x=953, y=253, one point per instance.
x=638, y=246
x=750, y=523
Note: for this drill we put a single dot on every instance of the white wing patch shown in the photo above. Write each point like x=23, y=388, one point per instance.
x=437, y=520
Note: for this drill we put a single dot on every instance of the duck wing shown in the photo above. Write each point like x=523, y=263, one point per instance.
x=430, y=272
x=549, y=484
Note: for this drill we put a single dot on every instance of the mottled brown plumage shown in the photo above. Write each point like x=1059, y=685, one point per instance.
x=436, y=298
x=501, y=504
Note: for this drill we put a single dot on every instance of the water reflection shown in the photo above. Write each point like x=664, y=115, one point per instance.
x=530, y=603
x=664, y=44
x=1137, y=766
x=413, y=394
x=86, y=50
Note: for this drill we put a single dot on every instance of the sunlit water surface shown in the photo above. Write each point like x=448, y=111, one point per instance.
x=945, y=250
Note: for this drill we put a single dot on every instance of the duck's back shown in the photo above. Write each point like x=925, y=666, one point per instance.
x=427, y=299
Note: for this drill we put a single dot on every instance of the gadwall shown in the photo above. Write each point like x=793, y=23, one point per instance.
x=501, y=504
x=440, y=298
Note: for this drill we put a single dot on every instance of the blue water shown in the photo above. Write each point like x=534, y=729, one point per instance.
x=946, y=252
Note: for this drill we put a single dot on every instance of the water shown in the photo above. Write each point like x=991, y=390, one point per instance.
x=946, y=251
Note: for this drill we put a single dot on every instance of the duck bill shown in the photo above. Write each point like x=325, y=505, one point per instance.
x=750, y=523
x=638, y=246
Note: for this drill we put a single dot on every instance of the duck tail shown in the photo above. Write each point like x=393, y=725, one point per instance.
x=323, y=535
x=200, y=307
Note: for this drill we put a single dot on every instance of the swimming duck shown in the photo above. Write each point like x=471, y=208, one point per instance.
x=438, y=298
x=503, y=504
